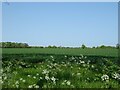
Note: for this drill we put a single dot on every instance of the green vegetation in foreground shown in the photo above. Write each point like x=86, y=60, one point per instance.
x=108, y=52
x=59, y=67
x=53, y=71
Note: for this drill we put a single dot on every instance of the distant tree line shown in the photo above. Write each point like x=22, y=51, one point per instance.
x=102, y=46
x=13, y=45
x=25, y=45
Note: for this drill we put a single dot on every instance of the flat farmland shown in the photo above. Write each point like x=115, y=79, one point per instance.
x=63, y=51
x=60, y=68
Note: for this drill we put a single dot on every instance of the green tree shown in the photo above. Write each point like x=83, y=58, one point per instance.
x=118, y=46
x=83, y=46
x=13, y=45
x=102, y=46
x=0, y=44
x=49, y=46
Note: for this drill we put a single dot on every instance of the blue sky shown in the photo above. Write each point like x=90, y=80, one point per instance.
x=61, y=24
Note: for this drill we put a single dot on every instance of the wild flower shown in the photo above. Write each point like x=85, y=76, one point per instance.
x=34, y=77
x=51, y=56
x=53, y=59
x=72, y=86
x=116, y=76
x=47, y=77
x=17, y=86
x=73, y=74
x=22, y=63
x=72, y=58
x=68, y=82
x=55, y=64
x=13, y=85
x=1, y=70
x=24, y=81
x=36, y=86
x=45, y=71
x=16, y=82
x=92, y=66
x=65, y=56
x=37, y=74
x=79, y=58
x=85, y=57
x=1, y=81
x=20, y=67
x=81, y=55
x=49, y=66
x=44, y=86
x=71, y=67
x=65, y=80
x=53, y=79
x=40, y=78
x=82, y=62
x=30, y=86
x=63, y=83
x=78, y=74
x=63, y=62
x=5, y=78
x=15, y=73
x=88, y=78
x=75, y=60
x=21, y=79
x=29, y=75
x=88, y=62
x=105, y=77
x=65, y=65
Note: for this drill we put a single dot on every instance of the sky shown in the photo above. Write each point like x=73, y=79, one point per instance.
x=61, y=24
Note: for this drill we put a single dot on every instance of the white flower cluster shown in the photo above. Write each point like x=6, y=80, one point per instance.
x=21, y=79
x=65, y=56
x=73, y=58
x=105, y=77
x=33, y=86
x=66, y=82
x=51, y=56
x=116, y=76
x=53, y=79
x=47, y=77
x=17, y=84
x=82, y=62
x=45, y=71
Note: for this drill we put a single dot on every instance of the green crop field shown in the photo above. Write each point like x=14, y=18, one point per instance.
x=60, y=68
x=68, y=51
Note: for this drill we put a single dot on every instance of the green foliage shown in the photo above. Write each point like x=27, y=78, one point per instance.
x=102, y=46
x=13, y=45
x=105, y=47
x=25, y=45
x=19, y=71
x=83, y=46
x=118, y=46
x=52, y=46
x=59, y=67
